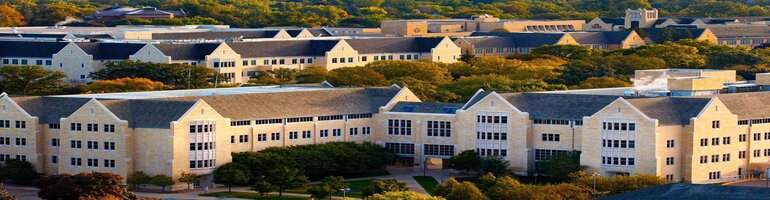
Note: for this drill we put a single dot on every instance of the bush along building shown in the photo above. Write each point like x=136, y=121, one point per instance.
x=698, y=126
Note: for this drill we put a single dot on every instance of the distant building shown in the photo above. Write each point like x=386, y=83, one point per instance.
x=119, y=12
x=478, y=23
x=503, y=44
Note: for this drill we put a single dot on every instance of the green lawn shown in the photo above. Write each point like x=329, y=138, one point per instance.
x=356, y=188
x=245, y=195
x=428, y=183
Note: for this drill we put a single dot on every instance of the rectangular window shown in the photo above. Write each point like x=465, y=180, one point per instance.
x=21, y=124
x=438, y=150
x=726, y=157
x=399, y=127
x=21, y=141
x=92, y=145
x=109, y=128
x=76, y=126
x=757, y=136
x=293, y=135
x=54, y=159
x=262, y=137
x=550, y=137
x=741, y=154
x=670, y=161
x=109, y=163
x=275, y=136
x=704, y=159
x=92, y=127
x=704, y=142
x=715, y=124
x=742, y=138
x=323, y=133
x=670, y=144
x=439, y=129
x=336, y=132
x=109, y=146
x=54, y=142
x=725, y=140
x=353, y=131
x=76, y=161
x=400, y=148
x=91, y=162
x=306, y=134
x=76, y=144
x=5, y=124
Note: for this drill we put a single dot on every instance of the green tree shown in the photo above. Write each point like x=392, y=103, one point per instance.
x=495, y=165
x=467, y=86
x=189, y=179
x=727, y=59
x=601, y=82
x=285, y=178
x=312, y=74
x=31, y=80
x=18, y=171
x=420, y=70
x=125, y=85
x=94, y=185
x=383, y=186
x=561, y=166
x=454, y=190
x=402, y=195
x=356, y=77
x=162, y=181
x=576, y=71
x=173, y=74
x=263, y=187
x=568, y=51
x=320, y=191
x=675, y=55
x=138, y=178
x=466, y=160
x=231, y=174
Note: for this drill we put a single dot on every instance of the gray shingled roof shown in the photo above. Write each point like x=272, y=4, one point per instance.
x=740, y=31
x=393, y=45
x=297, y=104
x=283, y=48
x=604, y=37
x=110, y=51
x=425, y=107
x=614, y=21
x=215, y=35
x=475, y=99
x=524, y=39
x=30, y=49
x=187, y=51
x=558, y=106
x=490, y=42
x=50, y=109
x=683, y=191
x=670, y=110
x=750, y=105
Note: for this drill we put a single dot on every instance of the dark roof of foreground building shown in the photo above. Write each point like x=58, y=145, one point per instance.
x=297, y=104
x=426, y=107
x=741, y=31
x=670, y=111
x=30, y=49
x=110, y=51
x=393, y=45
x=522, y=39
x=215, y=35
x=490, y=42
x=750, y=105
x=614, y=21
x=558, y=106
x=604, y=37
x=676, y=191
x=187, y=51
x=283, y=48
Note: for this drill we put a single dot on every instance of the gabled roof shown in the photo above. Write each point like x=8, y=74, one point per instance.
x=50, y=109
x=187, y=51
x=558, y=106
x=30, y=49
x=614, y=21
x=655, y=34
x=297, y=104
x=283, y=48
x=214, y=35
x=670, y=110
x=604, y=37
x=110, y=51
x=141, y=113
x=490, y=42
x=393, y=45
x=475, y=99
x=749, y=105
x=524, y=39
x=426, y=107
x=740, y=31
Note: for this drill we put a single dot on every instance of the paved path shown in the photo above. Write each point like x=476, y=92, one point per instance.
x=400, y=174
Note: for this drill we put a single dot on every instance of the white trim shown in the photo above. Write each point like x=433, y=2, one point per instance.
x=13, y=103
x=400, y=92
x=100, y=105
x=493, y=93
x=472, y=97
x=621, y=99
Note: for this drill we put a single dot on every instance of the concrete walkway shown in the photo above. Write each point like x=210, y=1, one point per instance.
x=404, y=175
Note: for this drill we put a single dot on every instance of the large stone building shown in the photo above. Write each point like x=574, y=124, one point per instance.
x=503, y=44
x=695, y=131
x=237, y=61
x=479, y=23
x=149, y=13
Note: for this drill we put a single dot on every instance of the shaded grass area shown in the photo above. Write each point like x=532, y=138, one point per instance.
x=428, y=183
x=247, y=195
x=356, y=188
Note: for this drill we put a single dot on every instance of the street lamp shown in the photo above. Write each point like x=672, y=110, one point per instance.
x=594, y=175
x=344, y=192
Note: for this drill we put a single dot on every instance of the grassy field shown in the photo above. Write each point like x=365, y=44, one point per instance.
x=428, y=183
x=356, y=188
x=245, y=195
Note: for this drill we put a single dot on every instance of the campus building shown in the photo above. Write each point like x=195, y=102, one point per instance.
x=693, y=129
x=478, y=23
x=237, y=61
x=116, y=13
x=503, y=44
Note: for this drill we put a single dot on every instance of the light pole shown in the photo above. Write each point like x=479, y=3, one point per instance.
x=344, y=192
x=594, y=175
